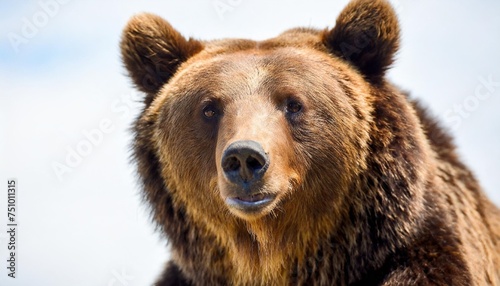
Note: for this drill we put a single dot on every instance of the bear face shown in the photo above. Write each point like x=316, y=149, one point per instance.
x=269, y=98
x=293, y=160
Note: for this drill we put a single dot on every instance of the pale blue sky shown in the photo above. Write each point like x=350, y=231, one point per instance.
x=68, y=78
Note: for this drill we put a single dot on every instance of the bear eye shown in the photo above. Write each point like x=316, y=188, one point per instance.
x=293, y=106
x=209, y=111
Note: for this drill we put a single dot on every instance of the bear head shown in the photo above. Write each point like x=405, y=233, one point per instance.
x=263, y=144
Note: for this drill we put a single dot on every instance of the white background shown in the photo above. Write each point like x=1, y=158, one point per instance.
x=89, y=227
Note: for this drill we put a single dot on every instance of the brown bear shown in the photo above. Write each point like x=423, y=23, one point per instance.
x=294, y=161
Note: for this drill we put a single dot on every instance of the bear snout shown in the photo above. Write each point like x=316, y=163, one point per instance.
x=244, y=162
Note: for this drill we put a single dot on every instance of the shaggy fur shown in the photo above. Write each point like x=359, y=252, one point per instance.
x=369, y=189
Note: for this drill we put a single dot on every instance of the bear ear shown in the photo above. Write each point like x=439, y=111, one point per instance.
x=152, y=50
x=366, y=34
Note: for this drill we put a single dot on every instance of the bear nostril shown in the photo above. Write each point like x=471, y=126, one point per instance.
x=231, y=164
x=254, y=163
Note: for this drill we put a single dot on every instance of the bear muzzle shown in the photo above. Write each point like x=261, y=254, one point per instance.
x=244, y=164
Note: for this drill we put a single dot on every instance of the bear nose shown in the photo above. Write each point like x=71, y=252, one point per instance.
x=244, y=162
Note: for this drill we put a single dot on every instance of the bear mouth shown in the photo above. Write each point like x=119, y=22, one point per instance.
x=250, y=203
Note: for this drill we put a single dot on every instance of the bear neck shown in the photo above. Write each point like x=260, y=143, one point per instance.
x=265, y=251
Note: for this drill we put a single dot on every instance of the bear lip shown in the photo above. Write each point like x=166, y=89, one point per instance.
x=251, y=203
x=252, y=198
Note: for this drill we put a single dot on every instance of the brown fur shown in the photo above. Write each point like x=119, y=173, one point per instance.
x=369, y=189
